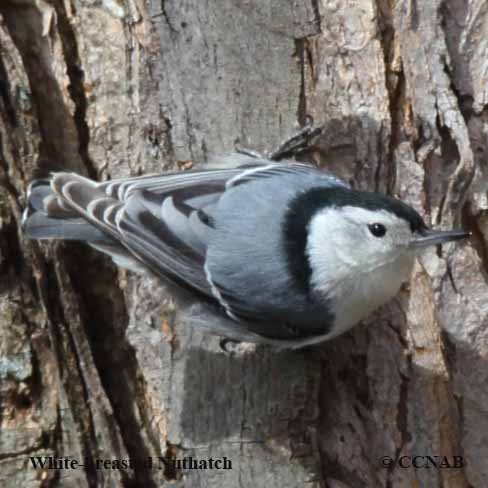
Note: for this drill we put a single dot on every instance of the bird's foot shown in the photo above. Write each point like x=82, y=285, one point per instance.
x=297, y=143
x=231, y=346
x=292, y=146
x=224, y=344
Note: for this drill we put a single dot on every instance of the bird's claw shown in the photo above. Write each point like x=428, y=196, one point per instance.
x=224, y=343
x=291, y=146
x=297, y=143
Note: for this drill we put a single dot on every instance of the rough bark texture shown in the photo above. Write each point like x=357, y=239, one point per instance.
x=93, y=362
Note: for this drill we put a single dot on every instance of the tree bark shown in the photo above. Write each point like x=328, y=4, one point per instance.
x=94, y=363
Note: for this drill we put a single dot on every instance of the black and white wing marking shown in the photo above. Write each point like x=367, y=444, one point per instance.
x=249, y=169
x=162, y=222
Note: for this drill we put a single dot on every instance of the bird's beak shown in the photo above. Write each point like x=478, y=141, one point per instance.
x=430, y=237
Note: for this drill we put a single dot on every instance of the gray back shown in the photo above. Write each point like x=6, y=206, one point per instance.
x=246, y=253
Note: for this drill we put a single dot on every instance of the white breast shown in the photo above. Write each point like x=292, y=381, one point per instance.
x=360, y=295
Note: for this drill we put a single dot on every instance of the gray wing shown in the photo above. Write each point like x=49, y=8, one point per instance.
x=160, y=223
x=248, y=264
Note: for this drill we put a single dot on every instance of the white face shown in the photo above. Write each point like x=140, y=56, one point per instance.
x=354, y=240
x=359, y=258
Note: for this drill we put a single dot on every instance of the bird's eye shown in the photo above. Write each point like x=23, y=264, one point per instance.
x=378, y=230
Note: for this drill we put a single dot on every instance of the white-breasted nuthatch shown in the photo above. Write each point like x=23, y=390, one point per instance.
x=283, y=253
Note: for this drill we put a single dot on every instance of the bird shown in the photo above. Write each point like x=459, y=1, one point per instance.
x=281, y=253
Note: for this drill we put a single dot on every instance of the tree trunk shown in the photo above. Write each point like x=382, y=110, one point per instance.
x=94, y=362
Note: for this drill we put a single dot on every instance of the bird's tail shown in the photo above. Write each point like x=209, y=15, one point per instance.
x=65, y=206
x=47, y=216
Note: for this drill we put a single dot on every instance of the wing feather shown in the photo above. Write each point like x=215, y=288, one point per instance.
x=163, y=222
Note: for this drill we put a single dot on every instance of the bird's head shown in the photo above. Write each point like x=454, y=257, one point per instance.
x=360, y=232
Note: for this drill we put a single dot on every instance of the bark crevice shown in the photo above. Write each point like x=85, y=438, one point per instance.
x=76, y=86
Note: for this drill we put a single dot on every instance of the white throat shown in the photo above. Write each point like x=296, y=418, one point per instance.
x=353, y=286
